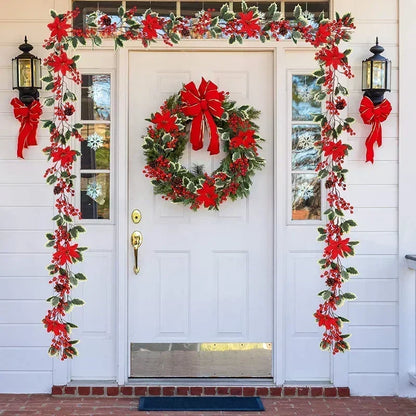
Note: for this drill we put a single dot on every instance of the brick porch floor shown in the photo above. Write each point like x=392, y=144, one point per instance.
x=46, y=405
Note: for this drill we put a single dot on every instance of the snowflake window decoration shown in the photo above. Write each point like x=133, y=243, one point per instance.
x=305, y=191
x=94, y=190
x=306, y=141
x=95, y=141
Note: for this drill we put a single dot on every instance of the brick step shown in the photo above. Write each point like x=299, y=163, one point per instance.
x=136, y=391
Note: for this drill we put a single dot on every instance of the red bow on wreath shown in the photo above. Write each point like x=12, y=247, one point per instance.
x=29, y=120
x=202, y=104
x=375, y=115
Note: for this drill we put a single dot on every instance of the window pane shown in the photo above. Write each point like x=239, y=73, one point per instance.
x=306, y=196
x=262, y=6
x=96, y=97
x=311, y=9
x=95, y=195
x=95, y=148
x=87, y=7
x=304, y=106
x=305, y=155
x=164, y=8
x=189, y=9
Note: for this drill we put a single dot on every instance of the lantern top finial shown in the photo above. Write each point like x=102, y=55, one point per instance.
x=26, y=47
x=377, y=49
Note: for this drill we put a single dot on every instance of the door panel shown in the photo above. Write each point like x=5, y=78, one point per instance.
x=206, y=276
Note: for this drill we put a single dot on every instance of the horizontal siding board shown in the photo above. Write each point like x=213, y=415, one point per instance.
x=374, y=267
x=381, y=173
x=367, y=196
x=22, y=311
x=373, y=361
x=23, y=242
x=41, y=195
x=373, y=385
x=25, y=359
x=388, y=151
x=377, y=313
x=32, y=10
x=366, y=9
x=34, y=265
x=23, y=171
x=376, y=219
x=26, y=288
x=378, y=243
x=374, y=290
x=24, y=218
x=9, y=149
x=25, y=382
x=36, y=32
x=373, y=337
x=32, y=335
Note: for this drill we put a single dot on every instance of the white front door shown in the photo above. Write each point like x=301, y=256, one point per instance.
x=206, y=276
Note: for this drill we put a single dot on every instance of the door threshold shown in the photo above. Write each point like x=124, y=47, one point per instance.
x=176, y=381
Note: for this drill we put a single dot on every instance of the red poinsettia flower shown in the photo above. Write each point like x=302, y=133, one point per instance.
x=249, y=24
x=56, y=327
x=60, y=63
x=335, y=149
x=331, y=56
x=322, y=34
x=65, y=254
x=207, y=195
x=244, y=138
x=337, y=248
x=150, y=25
x=165, y=121
x=59, y=28
x=327, y=321
x=63, y=155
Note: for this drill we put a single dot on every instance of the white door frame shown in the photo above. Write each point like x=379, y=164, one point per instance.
x=61, y=370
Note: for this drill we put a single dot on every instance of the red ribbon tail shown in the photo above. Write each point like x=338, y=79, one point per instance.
x=374, y=137
x=214, y=144
x=196, y=134
x=31, y=140
x=26, y=129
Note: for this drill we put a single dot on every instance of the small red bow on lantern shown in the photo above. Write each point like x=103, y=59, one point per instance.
x=375, y=115
x=203, y=104
x=29, y=120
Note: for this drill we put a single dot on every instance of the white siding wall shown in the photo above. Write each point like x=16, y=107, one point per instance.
x=26, y=208
x=373, y=190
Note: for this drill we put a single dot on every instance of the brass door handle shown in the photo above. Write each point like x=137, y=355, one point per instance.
x=136, y=242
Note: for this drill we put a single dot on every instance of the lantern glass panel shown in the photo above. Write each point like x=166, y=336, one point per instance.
x=366, y=75
x=25, y=73
x=37, y=74
x=14, y=71
x=379, y=75
x=388, y=79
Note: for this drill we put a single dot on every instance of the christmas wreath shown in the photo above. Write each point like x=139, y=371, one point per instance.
x=188, y=114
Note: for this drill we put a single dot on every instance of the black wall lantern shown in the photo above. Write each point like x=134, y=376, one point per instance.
x=27, y=74
x=376, y=75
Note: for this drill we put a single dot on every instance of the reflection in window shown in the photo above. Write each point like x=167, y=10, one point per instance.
x=96, y=146
x=306, y=196
x=305, y=155
x=96, y=97
x=304, y=89
x=311, y=8
x=306, y=186
x=95, y=195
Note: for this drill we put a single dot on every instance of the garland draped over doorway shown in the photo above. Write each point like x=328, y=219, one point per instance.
x=250, y=23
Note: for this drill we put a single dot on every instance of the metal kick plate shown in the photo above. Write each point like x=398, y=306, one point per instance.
x=136, y=216
x=208, y=359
